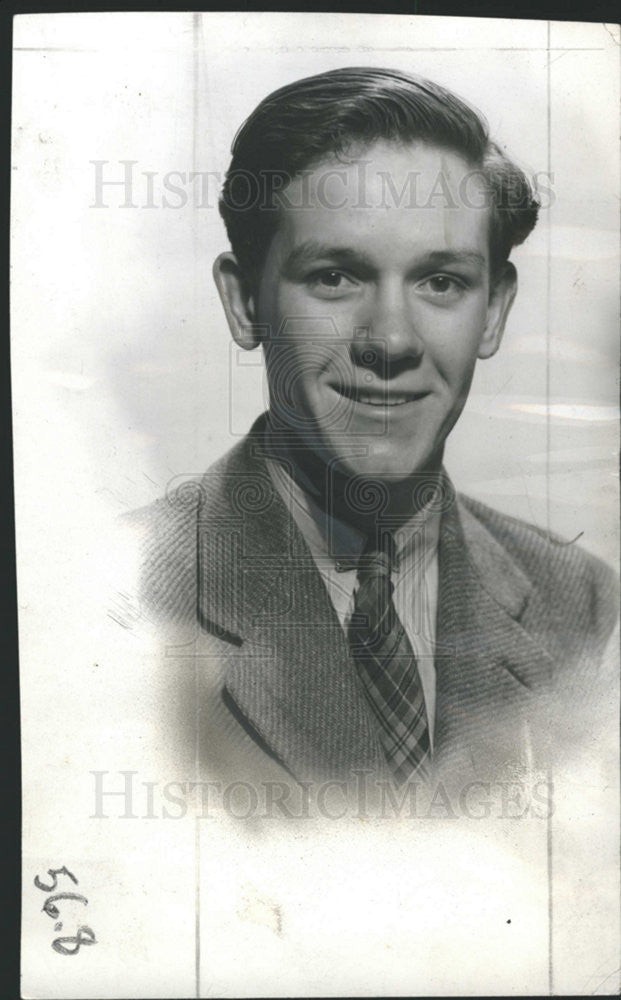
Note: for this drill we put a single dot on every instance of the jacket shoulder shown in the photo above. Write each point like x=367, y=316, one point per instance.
x=579, y=589
x=167, y=536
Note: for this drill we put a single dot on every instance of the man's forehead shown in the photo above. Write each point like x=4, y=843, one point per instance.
x=339, y=236
x=384, y=174
x=413, y=198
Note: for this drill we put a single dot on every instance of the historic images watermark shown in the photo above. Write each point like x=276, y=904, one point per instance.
x=125, y=795
x=124, y=184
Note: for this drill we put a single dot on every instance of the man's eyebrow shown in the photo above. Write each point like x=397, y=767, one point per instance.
x=438, y=258
x=311, y=251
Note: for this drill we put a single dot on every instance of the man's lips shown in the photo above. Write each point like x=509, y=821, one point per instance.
x=382, y=396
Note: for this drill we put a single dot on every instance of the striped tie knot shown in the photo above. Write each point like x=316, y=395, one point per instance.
x=378, y=557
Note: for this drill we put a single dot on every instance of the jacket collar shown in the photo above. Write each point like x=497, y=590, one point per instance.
x=290, y=674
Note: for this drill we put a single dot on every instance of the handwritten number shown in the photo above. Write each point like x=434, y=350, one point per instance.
x=85, y=935
x=60, y=944
x=54, y=872
x=52, y=911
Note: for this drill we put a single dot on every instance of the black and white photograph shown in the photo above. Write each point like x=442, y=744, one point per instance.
x=314, y=356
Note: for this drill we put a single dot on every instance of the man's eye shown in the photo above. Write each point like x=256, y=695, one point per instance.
x=443, y=285
x=330, y=282
x=331, y=279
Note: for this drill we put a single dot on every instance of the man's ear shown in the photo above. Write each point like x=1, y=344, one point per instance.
x=237, y=300
x=502, y=294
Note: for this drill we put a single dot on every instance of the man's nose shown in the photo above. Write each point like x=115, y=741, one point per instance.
x=388, y=331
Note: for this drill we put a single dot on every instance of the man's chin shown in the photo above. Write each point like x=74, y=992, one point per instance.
x=388, y=467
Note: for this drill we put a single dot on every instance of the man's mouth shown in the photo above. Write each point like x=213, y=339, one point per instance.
x=378, y=397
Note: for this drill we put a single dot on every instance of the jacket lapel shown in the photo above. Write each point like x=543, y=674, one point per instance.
x=289, y=675
x=488, y=667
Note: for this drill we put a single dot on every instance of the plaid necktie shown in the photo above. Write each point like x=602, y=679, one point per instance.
x=387, y=665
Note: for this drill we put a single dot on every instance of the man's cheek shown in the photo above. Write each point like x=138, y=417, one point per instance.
x=455, y=360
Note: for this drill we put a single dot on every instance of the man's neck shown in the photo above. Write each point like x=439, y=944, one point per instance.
x=356, y=500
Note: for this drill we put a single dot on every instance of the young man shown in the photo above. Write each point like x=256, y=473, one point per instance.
x=354, y=614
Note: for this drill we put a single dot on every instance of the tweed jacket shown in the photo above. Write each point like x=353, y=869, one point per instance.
x=523, y=621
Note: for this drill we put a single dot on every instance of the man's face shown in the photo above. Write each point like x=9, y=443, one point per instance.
x=376, y=310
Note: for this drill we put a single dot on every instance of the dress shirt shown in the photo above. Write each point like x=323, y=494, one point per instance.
x=336, y=546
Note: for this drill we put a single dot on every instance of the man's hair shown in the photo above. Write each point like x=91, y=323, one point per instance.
x=321, y=116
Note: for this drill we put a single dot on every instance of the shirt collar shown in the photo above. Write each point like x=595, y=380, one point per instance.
x=330, y=538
